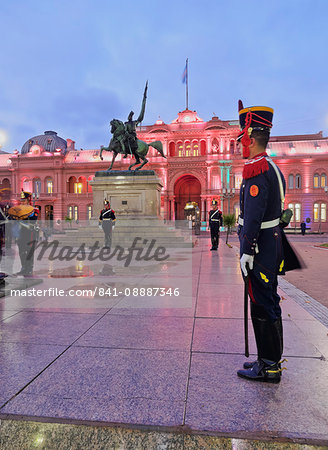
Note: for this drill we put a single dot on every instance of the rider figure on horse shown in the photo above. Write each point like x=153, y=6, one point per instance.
x=131, y=127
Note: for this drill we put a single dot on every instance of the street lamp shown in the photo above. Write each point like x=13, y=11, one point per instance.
x=228, y=193
x=35, y=196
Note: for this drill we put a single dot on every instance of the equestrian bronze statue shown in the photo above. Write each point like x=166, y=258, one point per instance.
x=125, y=141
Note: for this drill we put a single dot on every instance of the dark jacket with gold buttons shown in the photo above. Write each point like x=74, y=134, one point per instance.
x=260, y=202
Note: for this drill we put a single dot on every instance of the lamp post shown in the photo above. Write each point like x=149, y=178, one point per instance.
x=228, y=193
x=35, y=196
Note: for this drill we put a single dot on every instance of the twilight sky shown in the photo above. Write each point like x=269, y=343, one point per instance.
x=72, y=66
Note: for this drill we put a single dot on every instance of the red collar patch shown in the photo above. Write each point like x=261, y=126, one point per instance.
x=255, y=166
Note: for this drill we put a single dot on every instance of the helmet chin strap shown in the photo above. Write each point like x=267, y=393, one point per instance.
x=246, y=140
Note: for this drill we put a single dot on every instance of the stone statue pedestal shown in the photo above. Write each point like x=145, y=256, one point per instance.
x=130, y=193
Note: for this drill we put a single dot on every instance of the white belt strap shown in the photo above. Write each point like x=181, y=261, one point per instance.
x=264, y=225
x=282, y=195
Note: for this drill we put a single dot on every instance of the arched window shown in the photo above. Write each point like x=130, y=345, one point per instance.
x=5, y=183
x=215, y=146
x=202, y=148
x=195, y=148
x=172, y=149
x=37, y=186
x=323, y=180
x=298, y=181
x=49, y=185
x=71, y=183
x=80, y=186
x=290, y=181
x=27, y=185
x=187, y=148
x=316, y=180
x=232, y=146
x=180, y=149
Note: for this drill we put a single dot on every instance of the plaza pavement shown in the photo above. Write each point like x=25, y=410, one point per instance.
x=135, y=373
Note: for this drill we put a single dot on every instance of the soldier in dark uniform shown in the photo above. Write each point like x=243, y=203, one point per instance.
x=215, y=222
x=107, y=223
x=27, y=233
x=261, y=246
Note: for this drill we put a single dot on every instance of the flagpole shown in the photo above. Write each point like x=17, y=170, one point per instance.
x=187, y=84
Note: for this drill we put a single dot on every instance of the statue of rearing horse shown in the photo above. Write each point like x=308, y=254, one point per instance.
x=119, y=144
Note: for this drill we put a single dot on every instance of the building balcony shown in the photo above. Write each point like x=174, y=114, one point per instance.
x=85, y=195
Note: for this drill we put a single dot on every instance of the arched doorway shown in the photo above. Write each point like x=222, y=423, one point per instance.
x=186, y=189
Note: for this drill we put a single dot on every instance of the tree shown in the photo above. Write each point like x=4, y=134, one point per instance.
x=229, y=221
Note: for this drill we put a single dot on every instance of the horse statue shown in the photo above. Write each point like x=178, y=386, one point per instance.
x=120, y=144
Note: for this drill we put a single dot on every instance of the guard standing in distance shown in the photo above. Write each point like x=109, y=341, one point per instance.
x=27, y=215
x=107, y=223
x=215, y=222
x=261, y=242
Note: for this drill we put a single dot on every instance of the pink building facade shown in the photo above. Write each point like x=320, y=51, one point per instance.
x=203, y=163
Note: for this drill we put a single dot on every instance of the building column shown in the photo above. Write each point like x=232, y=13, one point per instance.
x=166, y=207
x=165, y=147
x=208, y=143
x=208, y=204
x=172, y=204
x=203, y=208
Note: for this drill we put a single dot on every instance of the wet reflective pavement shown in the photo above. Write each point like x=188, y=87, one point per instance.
x=156, y=360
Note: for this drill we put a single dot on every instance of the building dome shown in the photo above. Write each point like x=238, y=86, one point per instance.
x=49, y=142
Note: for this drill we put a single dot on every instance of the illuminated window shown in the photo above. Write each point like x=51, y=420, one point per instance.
x=73, y=212
x=296, y=208
x=298, y=183
x=195, y=149
x=323, y=212
x=180, y=149
x=78, y=187
x=323, y=180
x=236, y=209
x=89, y=211
x=238, y=180
x=291, y=182
x=297, y=212
x=316, y=212
x=320, y=212
x=187, y=148
x=316, y=181
x=49, y=186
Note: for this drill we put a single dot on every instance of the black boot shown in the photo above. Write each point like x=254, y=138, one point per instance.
x=262, y=370
x=250, y=364
x=268, y=336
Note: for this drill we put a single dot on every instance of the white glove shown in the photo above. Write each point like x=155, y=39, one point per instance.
x=246, y=259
